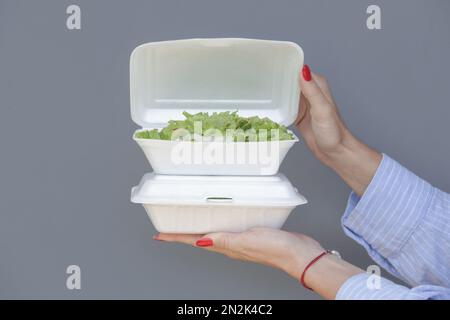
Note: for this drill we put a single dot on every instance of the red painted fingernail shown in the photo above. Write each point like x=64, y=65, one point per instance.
x=204, y=242
x=156, y=237
x=306, y=72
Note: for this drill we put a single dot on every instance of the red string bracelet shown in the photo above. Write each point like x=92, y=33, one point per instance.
x=302, y=278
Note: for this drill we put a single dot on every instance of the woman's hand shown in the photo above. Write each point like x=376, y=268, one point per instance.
x=276, y=248
x=318, y=118
x=290, y=252
x=327, y=136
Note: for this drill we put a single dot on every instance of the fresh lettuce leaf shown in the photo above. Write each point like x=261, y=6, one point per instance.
x=243, y=129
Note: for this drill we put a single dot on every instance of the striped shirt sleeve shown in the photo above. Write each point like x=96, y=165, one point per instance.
x=404, y=224
x=357, y=288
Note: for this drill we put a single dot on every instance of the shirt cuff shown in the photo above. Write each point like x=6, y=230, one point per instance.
x=366, y=286
x=383, y=219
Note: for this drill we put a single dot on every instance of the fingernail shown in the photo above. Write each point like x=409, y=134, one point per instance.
x=306, y=72
x=156, y=237
x=204, y=242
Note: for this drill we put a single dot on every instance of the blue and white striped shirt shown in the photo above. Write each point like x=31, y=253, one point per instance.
x=404, y=224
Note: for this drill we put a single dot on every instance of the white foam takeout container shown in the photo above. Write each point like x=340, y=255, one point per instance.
x=255, y=77
x=216, y=203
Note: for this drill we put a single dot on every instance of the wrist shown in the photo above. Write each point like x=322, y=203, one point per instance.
x=299, y=259
x=328, y=274
x=325, y=276
x=346, y=148
x=355, y=162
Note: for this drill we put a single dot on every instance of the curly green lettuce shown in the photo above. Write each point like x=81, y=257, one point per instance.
x=222, y=123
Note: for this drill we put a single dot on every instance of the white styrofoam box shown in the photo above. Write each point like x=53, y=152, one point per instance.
x=245, y=158
x=203, y=204
x=205, y=219
x=255, y=77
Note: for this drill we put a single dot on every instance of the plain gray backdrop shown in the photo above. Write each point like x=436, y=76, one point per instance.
x=67, y=160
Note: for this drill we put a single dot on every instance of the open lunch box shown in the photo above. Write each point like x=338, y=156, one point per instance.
x=254, y=77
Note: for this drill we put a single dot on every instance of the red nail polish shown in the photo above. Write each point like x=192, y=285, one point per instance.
x=306, y=72
x=204, y=242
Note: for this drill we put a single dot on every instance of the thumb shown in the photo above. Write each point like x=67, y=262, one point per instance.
x=217, y=241
x=311, y=90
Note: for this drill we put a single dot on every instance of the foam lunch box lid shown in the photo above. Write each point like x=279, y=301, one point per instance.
x=267, y=191
x=255, y=77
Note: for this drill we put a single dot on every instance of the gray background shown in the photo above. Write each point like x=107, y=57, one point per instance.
x=67, y=161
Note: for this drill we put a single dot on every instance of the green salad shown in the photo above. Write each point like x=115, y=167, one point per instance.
x=227, y=124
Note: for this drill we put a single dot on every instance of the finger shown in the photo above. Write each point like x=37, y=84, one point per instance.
x=225, y=243
x=302, y=110
x=218, y=240
x=323, y=85
x=319, y=103
x=310, y=88
x=308, y=135
x=304, y=104
x=190, y=239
